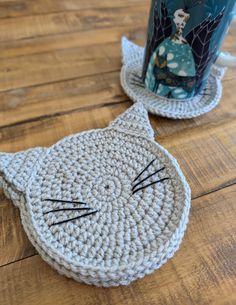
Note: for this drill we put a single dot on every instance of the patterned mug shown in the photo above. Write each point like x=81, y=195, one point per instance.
x=184, y=38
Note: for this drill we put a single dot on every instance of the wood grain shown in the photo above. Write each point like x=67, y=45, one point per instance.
x=99, y=34
x=46, y=67
x=50, y=43
x=53, y=61
x=202, y=271
x=58, y=65
x=14, y=244
x=20, y=8
x=61, y=97
x=30, y=99
x=52, y=66
x=23, y=104
x=72, y=21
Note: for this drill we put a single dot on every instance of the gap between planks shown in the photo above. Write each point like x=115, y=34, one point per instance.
x=116, y=96
x=58, y=114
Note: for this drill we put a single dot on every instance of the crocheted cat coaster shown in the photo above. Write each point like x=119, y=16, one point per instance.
x=132, y=57
x=105, y=206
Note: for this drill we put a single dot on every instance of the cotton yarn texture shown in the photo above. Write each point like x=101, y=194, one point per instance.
x=105, y=206
x=132, y=58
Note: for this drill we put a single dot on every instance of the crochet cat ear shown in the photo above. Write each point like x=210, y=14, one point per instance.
x=16, y=170
x=135, y=120
x=131, y=53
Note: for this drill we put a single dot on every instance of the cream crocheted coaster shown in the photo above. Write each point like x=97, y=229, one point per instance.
x=132, y=58
x=105, y=206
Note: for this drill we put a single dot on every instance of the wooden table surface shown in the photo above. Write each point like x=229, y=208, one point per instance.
x=59, y=74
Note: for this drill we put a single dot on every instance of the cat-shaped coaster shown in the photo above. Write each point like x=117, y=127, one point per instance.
x=132, y=58
x=105, y=206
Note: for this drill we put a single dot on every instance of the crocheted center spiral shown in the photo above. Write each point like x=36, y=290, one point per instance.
x=83, y=205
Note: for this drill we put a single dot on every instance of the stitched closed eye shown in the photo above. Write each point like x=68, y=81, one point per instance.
x=136, y=187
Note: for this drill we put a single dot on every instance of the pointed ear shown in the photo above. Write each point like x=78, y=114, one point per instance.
x=131, y=53
x=135, y=120
x=16, y=170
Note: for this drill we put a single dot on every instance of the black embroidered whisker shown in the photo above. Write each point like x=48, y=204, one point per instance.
x=67, y=209
x=148, y=177
x=65, y=201
x=154, y=182
x=74, y=218
x=204, y=94
x=144, y=170
x=137, y=84
x=134, y=84
x=137, y=81
x=137, y=76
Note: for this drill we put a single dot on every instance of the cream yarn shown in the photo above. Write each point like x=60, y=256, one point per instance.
x=120, y=226
x=132, y=58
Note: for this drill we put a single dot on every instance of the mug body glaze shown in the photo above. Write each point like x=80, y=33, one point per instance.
x=184, y=38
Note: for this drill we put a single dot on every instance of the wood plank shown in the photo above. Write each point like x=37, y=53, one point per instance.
x=20, y=71
x=49, y=67
x=30, y=101
x=62, y=55
x=71, y=40
x=64, y=58
x=52, y=66
x=135, y=30
x=207, y=155
x=202, y=272
x=19, y=8
x=71, y=95
x=14, y=244
x=13, y=29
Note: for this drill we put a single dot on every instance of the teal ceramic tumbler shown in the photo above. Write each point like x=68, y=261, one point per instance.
x=183, y=41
